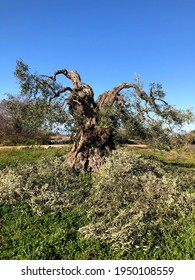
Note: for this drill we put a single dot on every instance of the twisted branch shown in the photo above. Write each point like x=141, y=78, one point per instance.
x=56, y=93
x=109, y=97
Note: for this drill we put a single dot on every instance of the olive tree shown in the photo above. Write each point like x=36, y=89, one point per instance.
x=95, y=121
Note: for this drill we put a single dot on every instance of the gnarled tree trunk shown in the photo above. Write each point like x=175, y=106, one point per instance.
x=95, y=129
x=93, y=140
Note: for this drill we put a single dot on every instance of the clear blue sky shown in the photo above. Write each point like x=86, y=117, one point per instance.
x=106, y=41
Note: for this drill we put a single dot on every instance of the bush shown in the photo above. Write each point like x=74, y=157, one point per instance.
x=190, y=137
x=134, y=200
x=49, y=183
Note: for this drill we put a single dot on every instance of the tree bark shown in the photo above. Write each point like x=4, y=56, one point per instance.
x=93, y=140
x=95, y=131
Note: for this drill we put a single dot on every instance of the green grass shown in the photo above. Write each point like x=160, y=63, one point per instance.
x=26, y=235
x=178, y=243
x=181, y=159
x=28, y=155
x=185, y=160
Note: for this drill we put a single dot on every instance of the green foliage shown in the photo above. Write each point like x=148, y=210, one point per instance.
x=21, y=111
x=39, y=92
x=49, y=183
x=190, y=137
x=136, y=207
x=155, y=121
x=23, y=121
x=151, y=118
x=133, y=200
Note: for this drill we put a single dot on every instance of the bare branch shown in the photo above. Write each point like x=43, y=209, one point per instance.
x=162, y=101
x=73, y=75
x=78, y=86
x=57, y=72
x=57, y=94
x=109, y=97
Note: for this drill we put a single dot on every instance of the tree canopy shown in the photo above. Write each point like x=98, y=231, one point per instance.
x=95, y=122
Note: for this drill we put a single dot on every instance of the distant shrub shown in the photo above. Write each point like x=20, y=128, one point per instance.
x=133, y=200
x=49, y=183
x=190, y=137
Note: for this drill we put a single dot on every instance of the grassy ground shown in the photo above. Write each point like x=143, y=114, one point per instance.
x=181, y=159
x=25, y=235
x=11, y=157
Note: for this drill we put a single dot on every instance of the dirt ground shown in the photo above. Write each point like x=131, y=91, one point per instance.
x=33, y=146
x=55, y=146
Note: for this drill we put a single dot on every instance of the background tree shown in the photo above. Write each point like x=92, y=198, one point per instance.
x=25, y=120
x=21, y=119
x=95, y=122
